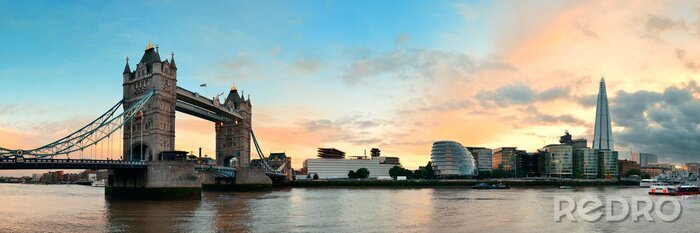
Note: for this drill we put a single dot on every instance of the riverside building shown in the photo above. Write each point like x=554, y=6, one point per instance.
x=505, y=158
x=483, y=158
x=452, y=160
x=645, y=159
x=332, y=164
x=558, y=160
x=585, y=163
x=607, y=164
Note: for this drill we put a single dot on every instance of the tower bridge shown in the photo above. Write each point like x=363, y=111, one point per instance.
x=151, y=97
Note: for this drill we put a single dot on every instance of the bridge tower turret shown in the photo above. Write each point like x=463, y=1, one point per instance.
x=153, y=129
x=233, y=136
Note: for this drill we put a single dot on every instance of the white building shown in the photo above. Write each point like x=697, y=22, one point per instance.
x=328, y=168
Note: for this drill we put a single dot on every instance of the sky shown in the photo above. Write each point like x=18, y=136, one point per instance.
x=354, y=75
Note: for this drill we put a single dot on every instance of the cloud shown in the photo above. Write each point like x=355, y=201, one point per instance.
x=655, y=25
x=586, y=100
x=240, y=67
x=688, y=63
x=402, y=39
x=305, y=66
x=520, y=94
x=665, y=123
x=349, y=121
x=415, y=64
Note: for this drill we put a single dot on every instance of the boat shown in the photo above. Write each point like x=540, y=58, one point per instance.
x=490, y=186
x=565, y=187
x=99, y=183
x=646, y=183
x=674, y=189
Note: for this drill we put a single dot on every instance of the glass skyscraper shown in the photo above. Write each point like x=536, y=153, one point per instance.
x=602, y=135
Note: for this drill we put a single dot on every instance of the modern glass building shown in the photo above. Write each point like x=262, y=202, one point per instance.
x=558, y=160
x=528, y=164
x=602, y=135
x=451, y=159
x=505, y=158
x=607, y=164
x=645, y=159
x=586, y=163
x=482, y=157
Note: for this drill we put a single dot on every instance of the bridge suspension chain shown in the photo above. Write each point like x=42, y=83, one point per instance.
x=89, y=135
x=263, y=160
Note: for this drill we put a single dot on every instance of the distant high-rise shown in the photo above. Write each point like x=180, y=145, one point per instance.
x=602, y=138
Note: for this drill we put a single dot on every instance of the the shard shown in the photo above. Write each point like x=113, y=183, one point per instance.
x=602, y=137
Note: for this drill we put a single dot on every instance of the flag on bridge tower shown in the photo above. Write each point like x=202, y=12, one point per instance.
x=203, y=85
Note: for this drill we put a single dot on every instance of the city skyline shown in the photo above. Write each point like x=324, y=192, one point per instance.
x=403, y=80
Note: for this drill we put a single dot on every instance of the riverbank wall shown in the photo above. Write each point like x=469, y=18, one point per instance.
x=455, y=183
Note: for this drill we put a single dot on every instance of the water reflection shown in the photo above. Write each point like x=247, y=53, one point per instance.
x=83, y=209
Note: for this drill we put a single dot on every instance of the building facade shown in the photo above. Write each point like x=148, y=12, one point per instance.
x=607, y=164
x=152, y=130
x=233, y=136
x=329, y=168
x=558, y=160
x=644, y=159
x=693, y=168
x=504, y=158
x=451, y=159
x=528, y=164
x=623, y=166
x=585, y=163
x=483, y=158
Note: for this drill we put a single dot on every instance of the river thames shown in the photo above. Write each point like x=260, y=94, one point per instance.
x=74, y=208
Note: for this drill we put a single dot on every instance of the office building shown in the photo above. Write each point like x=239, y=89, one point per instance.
x=645, y=159
x=528, y=164
x=623, y=166
x=558, y=160
x=483, y=158
x=602, y=134
x=332, y=164
x=607, y=164
x=451, y=159
x=504, y=158
x=585, y=163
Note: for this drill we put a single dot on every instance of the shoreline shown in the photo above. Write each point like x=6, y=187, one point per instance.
x=455, y=183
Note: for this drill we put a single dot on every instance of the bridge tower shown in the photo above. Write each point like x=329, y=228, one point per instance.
x=233, y=136
x=153, y=129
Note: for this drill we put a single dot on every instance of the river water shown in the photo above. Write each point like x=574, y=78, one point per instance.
x=73, y=208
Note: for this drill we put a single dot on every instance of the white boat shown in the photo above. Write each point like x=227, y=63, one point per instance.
x=646, y=183
x=99, y=183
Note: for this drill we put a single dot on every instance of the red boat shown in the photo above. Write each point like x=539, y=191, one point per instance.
x=674, y=190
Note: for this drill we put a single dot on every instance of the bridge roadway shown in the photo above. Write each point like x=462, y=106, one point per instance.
x=34, y=163
x=194, y=104
x=37, y=163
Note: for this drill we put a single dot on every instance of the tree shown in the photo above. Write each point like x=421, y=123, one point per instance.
x=362, y=173
x=577, y=173
x=429, y=173
x=396, y=171
x=418, y=174
x=483, y=175
x=632, y=172
x=499, y=173
x=352, y=174
x=315, y=176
